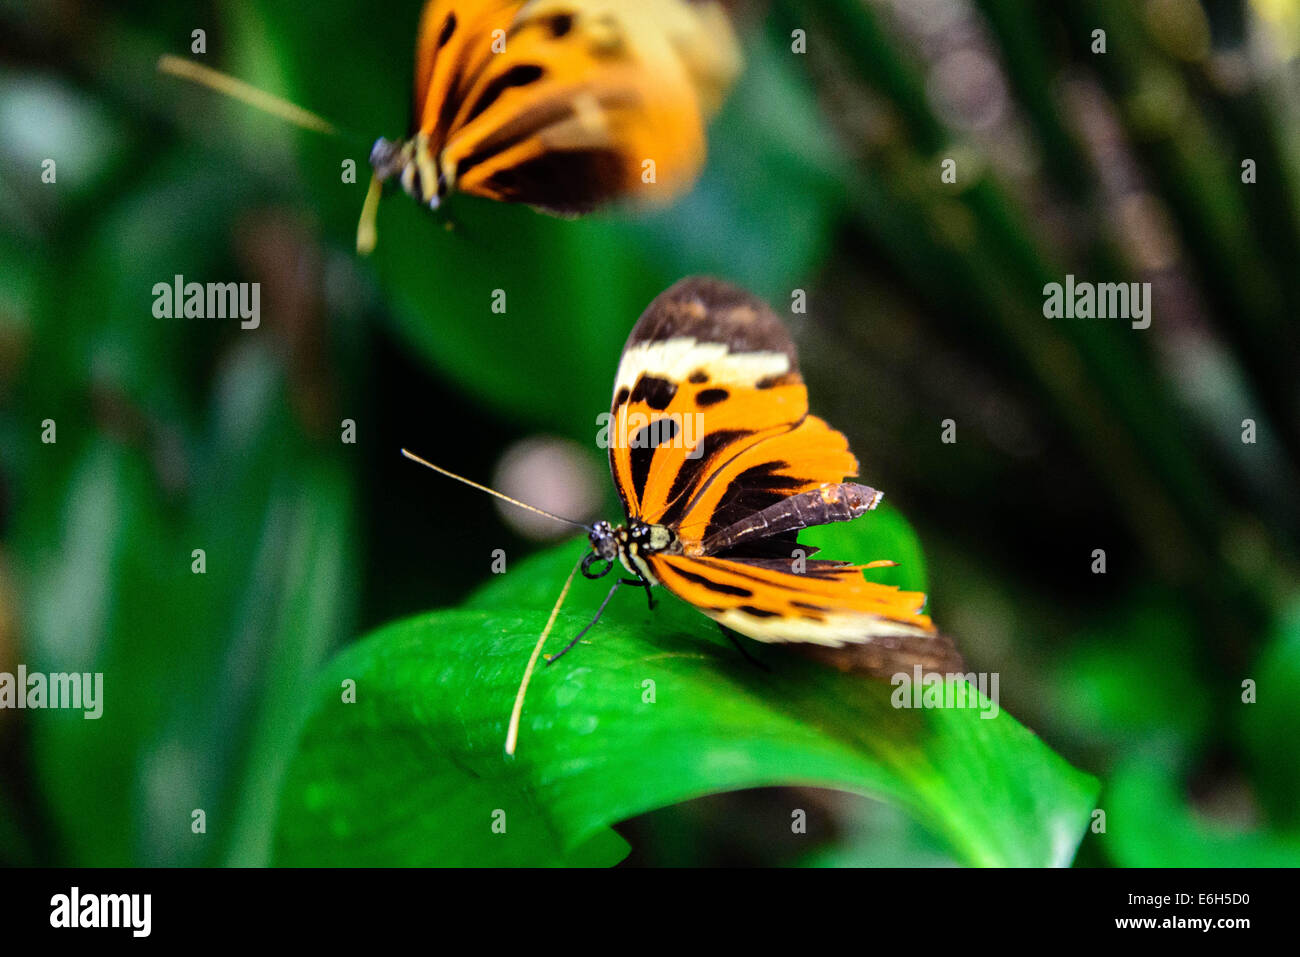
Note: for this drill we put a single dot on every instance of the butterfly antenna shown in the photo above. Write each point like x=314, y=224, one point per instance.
x=228, y=85
x=512, y=734
x=483, y=488
x=289, y=112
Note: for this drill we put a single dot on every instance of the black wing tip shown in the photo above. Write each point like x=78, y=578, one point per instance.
x=713, y=310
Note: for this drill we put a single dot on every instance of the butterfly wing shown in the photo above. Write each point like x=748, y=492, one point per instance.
x=763, y=468
x=825, y=604
x=559, y=103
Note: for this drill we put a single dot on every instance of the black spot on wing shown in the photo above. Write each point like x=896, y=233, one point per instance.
x=759, y=612
x=560, y=25
x=698, y=377
x=448, y=28
x=654, y=392
x=707, y=397
x=621, y=397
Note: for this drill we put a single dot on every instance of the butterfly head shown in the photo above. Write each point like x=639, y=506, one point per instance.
x=604, y=547
x=414, y=165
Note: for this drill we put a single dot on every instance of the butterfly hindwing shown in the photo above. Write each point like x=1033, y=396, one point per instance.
x=822, y=603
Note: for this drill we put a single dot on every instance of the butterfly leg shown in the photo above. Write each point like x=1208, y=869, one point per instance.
x=642, y=583
x=551, y=659
x=741, y=648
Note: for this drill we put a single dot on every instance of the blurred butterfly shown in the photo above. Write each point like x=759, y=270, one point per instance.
x=564, y=105
x=714, y=519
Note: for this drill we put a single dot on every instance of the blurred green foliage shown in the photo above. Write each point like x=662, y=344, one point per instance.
x=925, y=304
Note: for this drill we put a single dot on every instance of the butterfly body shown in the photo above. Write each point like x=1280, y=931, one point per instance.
x=715, y=520
x=631, y=545
x=634, y=543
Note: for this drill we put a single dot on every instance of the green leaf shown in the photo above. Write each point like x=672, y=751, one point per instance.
x=413, y=772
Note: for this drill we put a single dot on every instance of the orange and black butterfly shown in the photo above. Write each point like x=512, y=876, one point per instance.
x=715, y=521
x=714, y=518
x=564, y=105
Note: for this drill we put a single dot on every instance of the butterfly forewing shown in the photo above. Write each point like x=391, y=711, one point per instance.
x=710, y=413
x=454, y=36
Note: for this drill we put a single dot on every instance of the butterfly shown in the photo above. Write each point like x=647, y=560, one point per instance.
x=715, y=521
x=718, y=465
x=563, y=105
